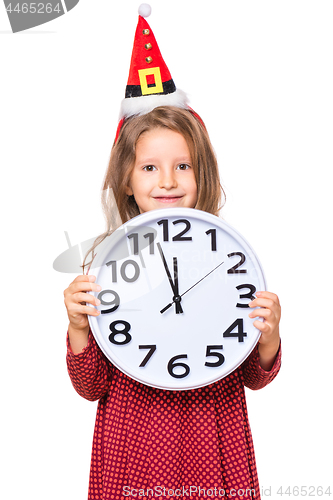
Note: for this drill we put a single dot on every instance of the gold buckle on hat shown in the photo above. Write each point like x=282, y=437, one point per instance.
x=158, y=88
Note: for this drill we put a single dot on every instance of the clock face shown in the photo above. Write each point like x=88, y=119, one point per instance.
x=176, y=284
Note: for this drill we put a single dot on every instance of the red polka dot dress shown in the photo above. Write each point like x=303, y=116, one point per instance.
x=155, y=443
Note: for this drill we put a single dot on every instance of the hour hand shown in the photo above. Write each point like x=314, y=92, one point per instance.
x=173, y=282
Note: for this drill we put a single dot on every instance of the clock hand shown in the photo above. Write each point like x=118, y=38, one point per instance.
x=166, y=267
x=210, y=272
x=174, y=285
x=175, y=299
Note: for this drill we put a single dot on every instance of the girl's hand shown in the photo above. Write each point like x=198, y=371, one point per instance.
x=270, y=311
x=77, y=311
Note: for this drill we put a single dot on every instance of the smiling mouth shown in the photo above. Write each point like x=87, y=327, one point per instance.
x=167, y=199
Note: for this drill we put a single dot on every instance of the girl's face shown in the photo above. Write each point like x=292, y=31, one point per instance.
x=162, y=175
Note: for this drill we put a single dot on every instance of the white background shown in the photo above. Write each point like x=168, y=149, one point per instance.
x=260, y=75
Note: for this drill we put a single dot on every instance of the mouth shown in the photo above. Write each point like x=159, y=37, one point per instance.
x=167, y=199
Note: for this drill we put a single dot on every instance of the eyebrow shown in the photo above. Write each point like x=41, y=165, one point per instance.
x=180, y=159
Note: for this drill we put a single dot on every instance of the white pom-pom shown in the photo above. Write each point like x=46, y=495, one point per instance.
x=144, y=10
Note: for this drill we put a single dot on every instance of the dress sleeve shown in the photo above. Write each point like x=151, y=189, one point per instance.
x=90, y=371
x=256, y=377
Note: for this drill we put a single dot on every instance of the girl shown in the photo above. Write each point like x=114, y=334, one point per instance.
x=147, y=438
x=150, y=442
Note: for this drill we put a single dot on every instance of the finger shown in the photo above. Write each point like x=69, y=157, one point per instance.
x=80, y=297
x=84, y=286
x=262, y=313
x=84, y=277
x=263, y=302
x=262, y=326
x=79, y=309
x=268, y=295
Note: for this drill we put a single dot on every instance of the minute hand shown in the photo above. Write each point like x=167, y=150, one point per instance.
x=195, y=284
x=173, y=284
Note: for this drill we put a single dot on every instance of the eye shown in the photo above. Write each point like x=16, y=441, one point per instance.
x=183, y=166
x=149, y=168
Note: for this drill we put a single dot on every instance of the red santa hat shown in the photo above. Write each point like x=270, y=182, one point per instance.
x=150, y=83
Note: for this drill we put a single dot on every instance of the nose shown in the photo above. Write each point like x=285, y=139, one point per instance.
x=167, y=179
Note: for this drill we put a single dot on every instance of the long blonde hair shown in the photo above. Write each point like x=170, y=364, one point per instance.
x=118, y=207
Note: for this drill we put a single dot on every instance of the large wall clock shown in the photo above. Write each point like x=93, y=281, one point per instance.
x=176, y=284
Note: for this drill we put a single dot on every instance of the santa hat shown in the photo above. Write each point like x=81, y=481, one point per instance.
x=149, y=81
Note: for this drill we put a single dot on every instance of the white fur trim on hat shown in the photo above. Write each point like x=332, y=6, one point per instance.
x=144, y=104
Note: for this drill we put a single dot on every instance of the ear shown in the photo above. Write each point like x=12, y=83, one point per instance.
x=128, y=191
